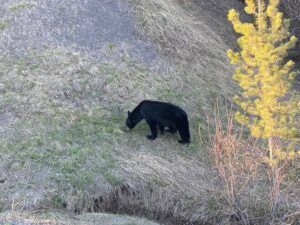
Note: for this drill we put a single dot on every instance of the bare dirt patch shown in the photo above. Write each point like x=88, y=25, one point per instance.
x=85, y=26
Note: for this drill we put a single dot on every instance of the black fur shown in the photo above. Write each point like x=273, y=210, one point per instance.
x=161, y=115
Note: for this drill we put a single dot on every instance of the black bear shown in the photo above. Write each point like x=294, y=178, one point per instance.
x=160, y=115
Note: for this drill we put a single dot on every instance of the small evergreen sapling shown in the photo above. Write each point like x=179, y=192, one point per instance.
x=270, y=108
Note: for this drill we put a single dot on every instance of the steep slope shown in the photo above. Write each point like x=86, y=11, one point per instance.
x=69, y=72
x=194, y=35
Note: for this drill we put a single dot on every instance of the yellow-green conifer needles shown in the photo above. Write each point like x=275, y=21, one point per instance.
x=263, y=73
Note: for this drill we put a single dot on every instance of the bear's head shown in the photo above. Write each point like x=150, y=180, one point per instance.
x=130, y=122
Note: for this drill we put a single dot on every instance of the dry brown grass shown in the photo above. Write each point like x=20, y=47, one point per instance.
x=40, y=217
x=256, y=192
x=174, y=188
x=237, y=162
x=179, y=33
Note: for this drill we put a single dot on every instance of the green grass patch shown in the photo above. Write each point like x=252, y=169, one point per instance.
x=3, y=24
x=77, y=151
x=20, y=6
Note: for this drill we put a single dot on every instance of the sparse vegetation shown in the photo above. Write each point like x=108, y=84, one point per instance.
x=247, y=183
x=237, y=162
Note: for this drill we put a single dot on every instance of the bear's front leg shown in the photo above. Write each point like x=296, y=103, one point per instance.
x=153, y=128
x=161, y=128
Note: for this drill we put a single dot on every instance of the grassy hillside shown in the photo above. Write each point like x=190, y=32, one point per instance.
x=65, y=146
x=63, y=109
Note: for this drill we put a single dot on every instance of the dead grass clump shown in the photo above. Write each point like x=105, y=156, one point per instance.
x=255, y=192
x=176, y=189
x=237, y=162
x=172, y=191
x=176, y=32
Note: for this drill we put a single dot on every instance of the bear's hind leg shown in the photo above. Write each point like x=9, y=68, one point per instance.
x=184, y=133
x=183, y=142
x=172, y=130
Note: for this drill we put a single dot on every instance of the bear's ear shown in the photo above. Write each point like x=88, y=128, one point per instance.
x=128, y=113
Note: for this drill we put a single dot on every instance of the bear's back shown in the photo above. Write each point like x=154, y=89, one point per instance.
x=162, y=108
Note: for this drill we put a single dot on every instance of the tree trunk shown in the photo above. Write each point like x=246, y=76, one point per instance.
x=271, y=147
